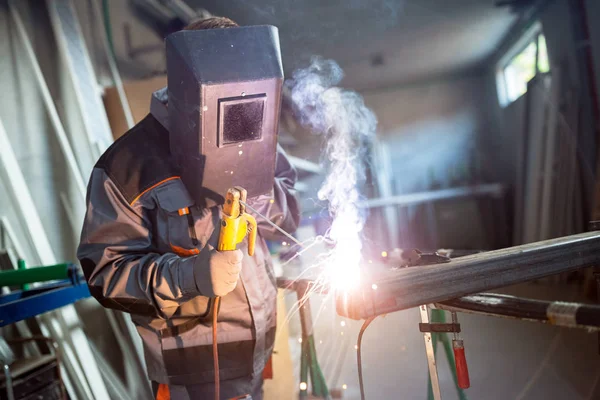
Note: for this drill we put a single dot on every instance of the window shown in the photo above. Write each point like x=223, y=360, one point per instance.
x=519, y=66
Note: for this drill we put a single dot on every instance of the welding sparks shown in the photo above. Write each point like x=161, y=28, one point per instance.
x=348, y=125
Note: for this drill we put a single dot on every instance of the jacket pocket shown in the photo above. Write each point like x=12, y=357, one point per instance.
x=176, y=214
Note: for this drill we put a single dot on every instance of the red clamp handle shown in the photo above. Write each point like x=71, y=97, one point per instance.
x=462, y=370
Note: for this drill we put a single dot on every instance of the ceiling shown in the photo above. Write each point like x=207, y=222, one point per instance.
x=378, y=42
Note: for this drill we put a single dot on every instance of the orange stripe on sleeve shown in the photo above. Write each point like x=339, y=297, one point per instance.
x=181, y=252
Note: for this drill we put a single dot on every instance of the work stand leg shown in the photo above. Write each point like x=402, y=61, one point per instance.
x=439, y=316
x=309, y=362
x=434, y=382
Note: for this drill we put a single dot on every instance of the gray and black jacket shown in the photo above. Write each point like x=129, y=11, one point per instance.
x=141, y=237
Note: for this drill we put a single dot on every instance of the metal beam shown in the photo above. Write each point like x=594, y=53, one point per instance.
x=492, y=189
x=413, y=286
x=78, y=361
x=61, y=134
x=305, y=165
x=72, y=47
x=114, y=70
x=570, y=315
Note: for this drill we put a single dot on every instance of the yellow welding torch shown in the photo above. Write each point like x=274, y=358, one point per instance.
x=235, y=225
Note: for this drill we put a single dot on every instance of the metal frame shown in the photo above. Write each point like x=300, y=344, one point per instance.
x=59, y=130
x=22, y=304
x=87, y=91
x=83, y=379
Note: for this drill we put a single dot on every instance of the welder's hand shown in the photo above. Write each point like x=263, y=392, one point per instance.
x=217, y=272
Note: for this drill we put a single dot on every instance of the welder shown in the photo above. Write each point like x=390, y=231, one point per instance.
x=154, y=203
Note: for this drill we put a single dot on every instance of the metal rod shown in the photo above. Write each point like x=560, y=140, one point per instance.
x=492, y=189
x=273, y=224
x=47, y=97
x=8, y=383
x=31, y=275
x=305, y=165
x=72, y=46
x=40, y=246
x=572, y=315
x=435, y=382
x=21, y=197
x=411, y=287
x=114, y=69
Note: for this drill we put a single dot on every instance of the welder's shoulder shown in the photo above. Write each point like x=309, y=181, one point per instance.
x=139, y=160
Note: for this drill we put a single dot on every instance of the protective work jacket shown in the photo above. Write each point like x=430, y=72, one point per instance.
x=142, y=238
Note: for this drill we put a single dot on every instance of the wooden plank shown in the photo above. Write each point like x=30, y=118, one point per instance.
x=282, y=386
x=547, y=199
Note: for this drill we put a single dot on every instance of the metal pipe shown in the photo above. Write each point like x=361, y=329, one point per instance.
x=50, y=107
x=8, y=383
x=21, y=197
x=492, y=189
x=305, y=165
x=572, y=315
x=77, y=61
x=19, y=277
x=40, y=246
x=413, y=286
x=114, y=70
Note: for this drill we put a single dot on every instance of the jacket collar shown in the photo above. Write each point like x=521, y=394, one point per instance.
x=158, y=107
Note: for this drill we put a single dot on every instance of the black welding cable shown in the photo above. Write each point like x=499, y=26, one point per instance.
x=359, y=355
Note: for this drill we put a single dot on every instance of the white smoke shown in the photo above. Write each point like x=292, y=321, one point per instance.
x=348, y=126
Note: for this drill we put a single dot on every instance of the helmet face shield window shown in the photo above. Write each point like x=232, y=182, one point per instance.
x=241, y=119
x=224, y=101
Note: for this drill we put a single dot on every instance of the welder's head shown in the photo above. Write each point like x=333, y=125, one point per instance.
x=211, y=23
x=224, y=90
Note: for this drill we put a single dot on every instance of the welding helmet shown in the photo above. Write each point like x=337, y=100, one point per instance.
x=224, y=91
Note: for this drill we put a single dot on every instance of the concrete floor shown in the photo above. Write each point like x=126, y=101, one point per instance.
x=508, y=359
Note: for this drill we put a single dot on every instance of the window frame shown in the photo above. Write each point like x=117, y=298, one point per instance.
x=532, y=35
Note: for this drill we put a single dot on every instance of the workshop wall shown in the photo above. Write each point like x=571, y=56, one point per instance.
x=431, y=130
x=558, y=19
x=593, y=9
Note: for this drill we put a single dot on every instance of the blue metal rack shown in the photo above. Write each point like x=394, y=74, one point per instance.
x=22, y=304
